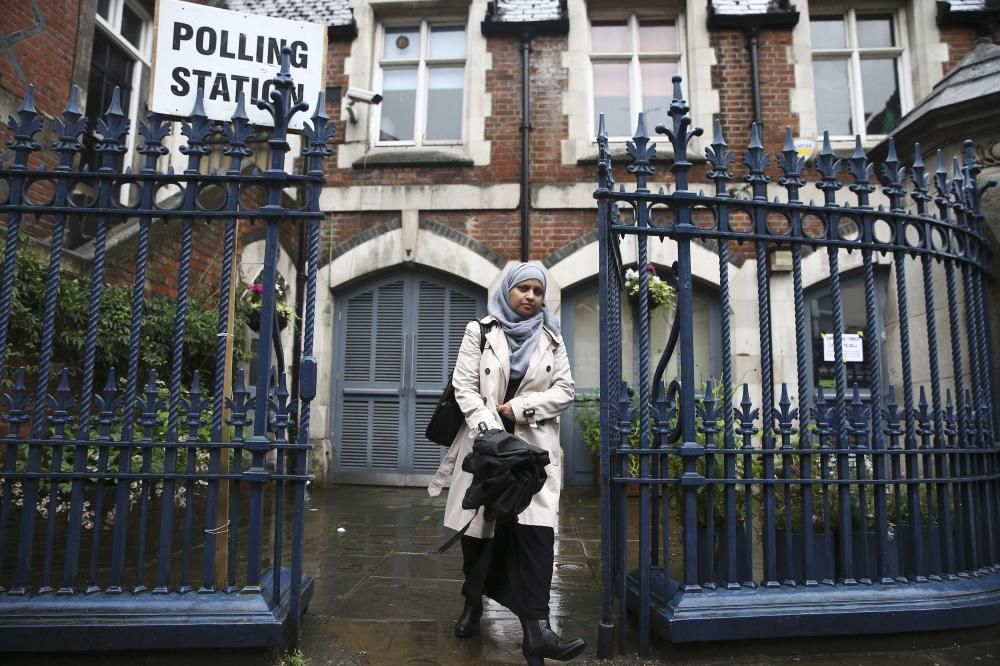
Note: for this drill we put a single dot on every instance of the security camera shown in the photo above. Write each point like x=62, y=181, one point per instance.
x=361, y=95
x=355, y=95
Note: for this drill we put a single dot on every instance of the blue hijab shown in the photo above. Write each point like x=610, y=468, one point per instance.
x=522, y=332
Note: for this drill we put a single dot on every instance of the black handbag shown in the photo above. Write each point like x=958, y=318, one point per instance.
x=448, y=418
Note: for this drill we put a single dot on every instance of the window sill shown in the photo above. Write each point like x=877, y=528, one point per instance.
x=412, y=157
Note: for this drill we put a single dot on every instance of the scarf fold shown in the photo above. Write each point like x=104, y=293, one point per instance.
x=522, y=332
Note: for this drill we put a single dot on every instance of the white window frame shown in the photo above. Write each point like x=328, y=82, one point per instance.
x=634, y=59
x=855, y=54
x=111, y=27
x=423, y=63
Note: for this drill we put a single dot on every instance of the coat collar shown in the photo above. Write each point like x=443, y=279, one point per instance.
x=497, y=341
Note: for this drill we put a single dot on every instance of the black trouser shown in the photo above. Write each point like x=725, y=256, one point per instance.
x=513, y=568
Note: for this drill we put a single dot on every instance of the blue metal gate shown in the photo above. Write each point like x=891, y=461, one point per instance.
x=115, y=503
x=844, y=513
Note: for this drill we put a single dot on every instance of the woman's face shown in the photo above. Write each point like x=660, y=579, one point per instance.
x=526, y=297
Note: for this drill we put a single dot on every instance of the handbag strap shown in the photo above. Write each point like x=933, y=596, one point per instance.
x=451, y=542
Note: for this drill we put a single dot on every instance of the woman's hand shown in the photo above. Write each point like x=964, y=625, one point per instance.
x=506, y=411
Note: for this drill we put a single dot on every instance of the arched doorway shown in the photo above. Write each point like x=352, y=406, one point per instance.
x=396, y=337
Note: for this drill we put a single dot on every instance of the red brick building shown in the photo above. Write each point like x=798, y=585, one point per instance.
x=481, y=152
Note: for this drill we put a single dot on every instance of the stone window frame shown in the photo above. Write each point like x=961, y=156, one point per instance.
x=634, y=58
x=359, y=147
x=142, y=55
x=698, y=58
x=424, y=63
x=903, y=51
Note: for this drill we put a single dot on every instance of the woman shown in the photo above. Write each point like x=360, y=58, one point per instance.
x=520, y=382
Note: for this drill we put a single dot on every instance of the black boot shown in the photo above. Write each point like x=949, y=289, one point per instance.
x=468, y=624
x=540, y=643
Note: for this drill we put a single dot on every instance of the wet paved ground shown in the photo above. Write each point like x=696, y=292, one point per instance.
x=383, y=596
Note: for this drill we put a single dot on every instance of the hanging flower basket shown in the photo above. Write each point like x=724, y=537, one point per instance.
x=659, y=292
x=253, y=295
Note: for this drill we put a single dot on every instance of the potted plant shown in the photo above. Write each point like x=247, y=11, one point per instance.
x=660, y=293
x=253, y=297
x=587, y=416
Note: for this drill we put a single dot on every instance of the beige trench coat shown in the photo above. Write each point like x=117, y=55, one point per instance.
x=480, y=382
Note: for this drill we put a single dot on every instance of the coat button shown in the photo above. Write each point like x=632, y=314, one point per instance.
x=487, y=371
x=548, y=368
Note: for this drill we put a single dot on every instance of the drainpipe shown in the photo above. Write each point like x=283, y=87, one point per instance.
x=525, y=144
x=753, y=36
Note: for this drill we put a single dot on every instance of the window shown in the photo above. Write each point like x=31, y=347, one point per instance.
x=857, y=61
x=121, y=47
x=422, y=69
x=632, y=62
x=857, y=340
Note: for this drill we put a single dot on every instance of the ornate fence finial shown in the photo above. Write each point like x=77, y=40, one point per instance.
x=862, y=170
x=150, y=407
x=956, y=187
x=238, y=131
x=893, y=419
x=894, y=175
x=195, y=405
x=107, y=404
x=112, y=127
x=792, y=164
x=825, y=418
x=679, y=136
x=605, y=172
x=756, y=159
x=279, y=409
x=153, y=130
x=641, y=151
x=62, y=403
x=720, y=157
x=69, y=128
x=829, y=167
x=923, y=415
x=319, y=132
x=710, y=411
x=918, y=176
x=18, y=403
x=784, y=413
x=196, y=130
x=941, y=185
x=27, y=124
x=746, y=414
x=239, y=406
x=281, y=109
x=858, y=416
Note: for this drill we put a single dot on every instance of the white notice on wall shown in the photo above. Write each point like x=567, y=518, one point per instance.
x=854, y=351
x=227, y=53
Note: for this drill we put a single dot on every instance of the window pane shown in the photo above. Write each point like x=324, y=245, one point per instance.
x=833, y=97
x=104, y=7
x=399, y=99
x=609, y=38
x=875, y=31
x=586, y=342
x=611, y=97
x=657, y=89
x=657, y=37
x=827, y=33
x=444, y=103
x=448, y=42
x=401, y=43
x=881, y=95
x=131, y=27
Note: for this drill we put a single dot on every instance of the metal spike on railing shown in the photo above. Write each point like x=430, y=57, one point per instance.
x=240, y=405
x=756, y=159
x=196, y=130
x=238, y=131
x=69, y=128
x=828, y=167
x=941, y=180
x=605, y=178
x=108, y=403
x=894, y=174
x=893, y=418
x=642, y=152
x=861, y=169
x=746, y=414
x=18, y=403
x=922, y=414
x=27, y=124
x=825, y=418
x=679, y=135
x=149, y=408
x=280, y=106
x=858, y=414
x=792, y=164
x=720, y=157
x=62, y=403
x=785, y=414
x=195, y=407
x=950, y=418
x=319, y=132
x=112, y=127
x=918, y=176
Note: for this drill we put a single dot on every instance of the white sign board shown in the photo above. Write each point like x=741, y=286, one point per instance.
x=854, y=350
x=226, y=53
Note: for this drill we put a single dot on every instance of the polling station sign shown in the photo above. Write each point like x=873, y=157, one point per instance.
x=226, y=53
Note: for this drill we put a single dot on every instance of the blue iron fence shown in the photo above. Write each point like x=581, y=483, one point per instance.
x=111, y=497
x=850, y=511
